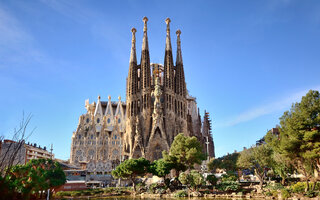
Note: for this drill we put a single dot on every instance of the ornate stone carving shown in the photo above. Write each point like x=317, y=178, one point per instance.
x=156, y=94
x=138, y=140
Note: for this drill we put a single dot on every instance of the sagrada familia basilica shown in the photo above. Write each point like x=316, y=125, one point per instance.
x=157, y=108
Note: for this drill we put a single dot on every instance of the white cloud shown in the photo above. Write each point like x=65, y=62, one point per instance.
x=279, y=105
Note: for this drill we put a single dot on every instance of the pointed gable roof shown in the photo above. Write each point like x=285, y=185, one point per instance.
x=119, y=110
x=98, y=110
x=109, y=111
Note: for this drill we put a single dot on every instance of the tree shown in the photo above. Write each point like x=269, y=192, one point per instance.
x=228, y=182
x=34, y=177
x=212, y=179
x=9, y=154
x=160, y=168
x=228, y=163
x=131, y=168
x=281, y=164
x=184, y=153
x=193, y=179
x=51, y=171
x=257, y=158
x=300, y=135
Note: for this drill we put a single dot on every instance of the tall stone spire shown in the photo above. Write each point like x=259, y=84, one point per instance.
x=179, y=54
x=145, y=68
x=180, y=79
x=145, y=45
x=133, y=55
x=168, y=39
x=132, y=75
x=168, y=61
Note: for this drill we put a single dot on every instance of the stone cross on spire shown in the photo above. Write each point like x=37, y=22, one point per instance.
x=133, y=57
x=168, y=40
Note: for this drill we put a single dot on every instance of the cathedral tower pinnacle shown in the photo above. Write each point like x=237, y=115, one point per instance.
x=133, y=56
x=145, y=37
x=180, y=79
x=168, y=39
x=168, y=61
x=179, y=54
x=132, y=74
x=145, y=76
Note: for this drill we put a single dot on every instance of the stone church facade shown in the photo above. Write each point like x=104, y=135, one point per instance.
x=157, y=108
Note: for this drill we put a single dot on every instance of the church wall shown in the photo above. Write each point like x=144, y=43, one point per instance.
x=157, y=108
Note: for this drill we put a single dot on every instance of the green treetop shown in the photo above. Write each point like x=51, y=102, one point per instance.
x=192, y=179
x=160, y=168
x=131, y=168
x=228, y=163
x=299, y=138
x=36, y=176
x=184, y=153
x=258, y=158
x=281, y=164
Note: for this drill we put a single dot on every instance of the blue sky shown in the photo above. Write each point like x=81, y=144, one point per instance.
x=245, y=61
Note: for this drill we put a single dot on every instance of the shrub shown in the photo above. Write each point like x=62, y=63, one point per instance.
x=275, y=193
x=298, y=187
x=141, y=187
x=167, y=182
x=152, y=188
x=62, y=193
x=119, y=190
x=96, y=191
x=212, y=179
x=75, y=193
x=311, y=194
x=206, y=192
x=229, y=177
x=268, y=193
x=315, y=185
x=285, y=194
x=181, y=193
x=160, y=190
x=228, y=183
x=113, y=189
x=240, y=193
x=85, y=193
x=193, y=179
x=274, y=186
x=231, y=186
x=108, y=190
